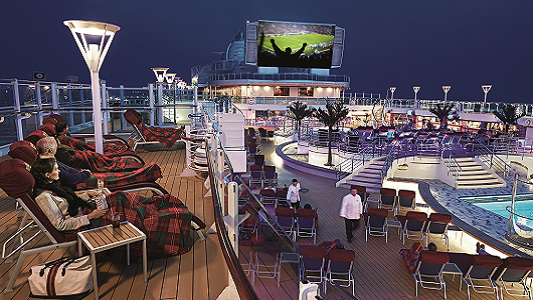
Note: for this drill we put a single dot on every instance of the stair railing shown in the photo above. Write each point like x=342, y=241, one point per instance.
x=355, y=161
x=389, y=159
x=453, y=167
x=491, y=159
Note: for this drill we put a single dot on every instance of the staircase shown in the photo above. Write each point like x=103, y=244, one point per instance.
x=368, y=176
x=472, y=174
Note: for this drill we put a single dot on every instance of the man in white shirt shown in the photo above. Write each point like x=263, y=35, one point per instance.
x=293, y=194
x=351, y=211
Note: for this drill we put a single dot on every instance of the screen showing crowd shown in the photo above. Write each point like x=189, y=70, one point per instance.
x=295, y=45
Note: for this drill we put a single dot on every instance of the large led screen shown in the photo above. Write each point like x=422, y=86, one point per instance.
x=295, y=45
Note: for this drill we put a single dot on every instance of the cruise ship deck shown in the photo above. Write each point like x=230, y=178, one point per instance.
x=202, y=273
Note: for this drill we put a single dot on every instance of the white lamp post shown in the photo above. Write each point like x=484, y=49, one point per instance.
x=94, y=40
x=416, y=89
x=160, y=74
x=446, y=89
x=392, y=89
x=486, y=88
x=172, y=84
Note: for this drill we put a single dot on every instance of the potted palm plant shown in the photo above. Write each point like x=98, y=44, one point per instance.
x=299, y=111
x=331, y=117
x=442, y=111
x=509, y=115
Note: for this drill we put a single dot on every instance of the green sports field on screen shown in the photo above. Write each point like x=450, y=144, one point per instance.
x=318, y=42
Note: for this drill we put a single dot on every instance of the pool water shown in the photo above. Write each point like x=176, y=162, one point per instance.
x=498, y=204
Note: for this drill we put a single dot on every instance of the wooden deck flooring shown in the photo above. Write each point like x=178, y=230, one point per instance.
x=202, y=274
x=199, y=274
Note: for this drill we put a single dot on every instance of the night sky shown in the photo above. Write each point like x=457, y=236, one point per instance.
x=462, y=43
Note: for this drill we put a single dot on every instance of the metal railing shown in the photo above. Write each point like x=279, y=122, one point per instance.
x=279, y=77
x=453, y=167
x=492, y=160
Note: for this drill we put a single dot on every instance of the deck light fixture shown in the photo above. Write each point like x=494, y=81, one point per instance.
x=446, y=89
x=160, y=74
x=486, y=88
x=93, y=40
x=416, y=89
x=170, y=77
x=392, y=90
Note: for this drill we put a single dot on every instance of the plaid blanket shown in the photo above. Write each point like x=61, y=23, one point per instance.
x=165, y=220
x=100, y=163
x=149, y=173
x=166, y=136
x=110, y=149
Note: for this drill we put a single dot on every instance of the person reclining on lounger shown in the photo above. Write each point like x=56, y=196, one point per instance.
x=164, y=219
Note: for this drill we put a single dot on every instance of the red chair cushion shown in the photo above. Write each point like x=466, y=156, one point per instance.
x=57, y=117
x=268, y=193
x=518, y=263
x=387, y=192
x=50, y=121
x=133, y=117
x=434, y=257
x=406, y=194
x=440, y=218
x=23, y=150
x=488, y=261
x=378, y=212
x=35, y=136
x=341, y=255
x=15, y=180
x=269, y=169
x=49, y=129
x=306, y=213
x=313, y=251
x=416, y=216
x=284, y=212
x=256, y=168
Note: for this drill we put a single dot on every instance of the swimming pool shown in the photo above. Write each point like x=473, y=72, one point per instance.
x=498, y=204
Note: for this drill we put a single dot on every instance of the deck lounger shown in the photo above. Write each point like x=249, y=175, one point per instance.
x=339, y=269
x=406, y=201
x=375, y=224
x=387, y=198
x=144, y=134
x=268, y=196
x=259, y=159
x=314, y=260
x=478, y=275
x=414, y=226
x=428, y=273
x=266, y=264
x=271, y=177
x=511, y=275
x=306, y=223
x=281, y=194
x=256, y=168
x=256, y=177
x=285, y=217
x=438, y=225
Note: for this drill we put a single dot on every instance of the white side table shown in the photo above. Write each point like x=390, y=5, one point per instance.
x=394, y=223
x=105, y=238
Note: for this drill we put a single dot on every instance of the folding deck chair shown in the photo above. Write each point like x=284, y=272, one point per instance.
x=414, y=226
x=512, y=274
x=406, y=201
x=135, y=119
x=387, y=198
x=285, y=217
x=480, y=270
x=339, y=269
x=306, y=223
x=438, y=225
x=314, y=260
x=375, y=224
x=428, y=273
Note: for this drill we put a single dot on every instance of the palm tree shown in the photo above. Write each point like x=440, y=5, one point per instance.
x=442, y=111
x=509, y=115
x=331, y=117
x=299, y=111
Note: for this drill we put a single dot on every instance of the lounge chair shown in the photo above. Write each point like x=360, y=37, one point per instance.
x=281, y=194
x=406, y=201
x=268, y=196
x=414, y=226
x=339, y=270
x=285, y=217
x=481, y=269
x=511, y=276
x=428, y=273
x=144, y=134
x=306, y=223
x=438, y=225
x=387, y=198
x=270, y=177
x=314, y=260
x=375, y=224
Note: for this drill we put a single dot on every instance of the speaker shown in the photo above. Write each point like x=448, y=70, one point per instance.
x=39, y=76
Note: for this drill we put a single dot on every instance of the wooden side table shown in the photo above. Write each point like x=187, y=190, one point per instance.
x=105, y=238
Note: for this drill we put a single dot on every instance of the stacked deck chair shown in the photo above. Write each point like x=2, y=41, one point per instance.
x=144, y=134
x=428, y=273
x=18, y=183
x=477, y=272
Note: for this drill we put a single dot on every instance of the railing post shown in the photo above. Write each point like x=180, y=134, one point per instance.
x=122, y=120
x=70, y=114
x=160, y=104
x=233, y=209
x=220, y=178
x=151, y=103
x=55, y=102
x=105, y=104
x=82, y=100
x=18, y=117
x=39, y=104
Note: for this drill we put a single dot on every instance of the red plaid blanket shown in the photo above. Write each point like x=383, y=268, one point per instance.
x=166, y=136
x=149, y=173
x=100, y=163
x=110, y=149
x=165, y=220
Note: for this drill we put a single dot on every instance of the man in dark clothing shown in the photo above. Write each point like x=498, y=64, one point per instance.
x=47, y=147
